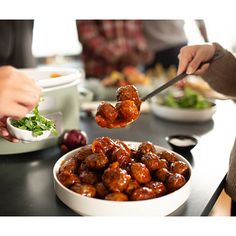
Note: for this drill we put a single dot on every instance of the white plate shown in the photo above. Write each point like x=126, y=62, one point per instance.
x=44, y=79
x=82, y=205
x=182, y=114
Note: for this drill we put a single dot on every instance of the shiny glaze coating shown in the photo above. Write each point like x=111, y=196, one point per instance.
x=163, y=163
x=121, y=155
x=88, y=177
x=70, y=165
x=180, y=167
x=140, y=172
x=162, y=174
x=133, y=184
x=117, y=197
x=83, y=152
x=96, y=161
x=175, y=182
x=101, y=190
x=128, y=92
x=126, y=110
x=87, y=190
x=102, y=144
x=169, y=156
x=115, y=178
x=145, y=148
x=67, y=179
x=106, y=115
x=151, y=161
x=142, y=193
x=158, y=188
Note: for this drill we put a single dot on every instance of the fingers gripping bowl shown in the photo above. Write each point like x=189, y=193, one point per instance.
x=31, y=128
x=25, y=135
x=147, y=181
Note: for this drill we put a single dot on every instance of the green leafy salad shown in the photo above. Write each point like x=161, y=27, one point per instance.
x=35, y=123
x=190, y=99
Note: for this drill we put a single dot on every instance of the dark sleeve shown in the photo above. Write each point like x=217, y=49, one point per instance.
x=22, y=56
x=221, y=75
x=6, y=41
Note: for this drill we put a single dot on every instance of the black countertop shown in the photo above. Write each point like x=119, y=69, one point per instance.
x=26, y=180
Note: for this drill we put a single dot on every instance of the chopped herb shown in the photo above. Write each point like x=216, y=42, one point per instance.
x=36, y=123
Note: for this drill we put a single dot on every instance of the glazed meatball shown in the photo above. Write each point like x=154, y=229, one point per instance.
x=163, y=163
x=157, y=187
x=146, y=147
x=129, y=92
x=151, y=161
x=102, y=144
x=169, y=156
x=162, y=174
x=101, y=190
x=87, y=190
x=106, y=114
x=175, y=182
x=120, y=144
x=127, y=167
x=133, y=184
x=140, y=172
x=134, y=154
x=67, y=179
x=115, y=178
x=117, y=197
x=180, y=167
x=82, y=167
x=83, y=152
x=142, y=193
x=69, y=165
x=96, y=161
x=127, y=110
x=120, y=155
x=88, y=177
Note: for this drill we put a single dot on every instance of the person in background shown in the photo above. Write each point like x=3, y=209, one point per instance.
x=165, y=38
x=220, y=75
x=111, y=45
x=16, y=43
x=18, y=96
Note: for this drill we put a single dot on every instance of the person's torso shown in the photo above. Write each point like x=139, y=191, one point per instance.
x=164, y=34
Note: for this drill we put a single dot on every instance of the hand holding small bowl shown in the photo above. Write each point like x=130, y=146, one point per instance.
x=31, y=128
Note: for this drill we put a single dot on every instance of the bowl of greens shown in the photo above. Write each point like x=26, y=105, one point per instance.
x=33, y=127
x=185, y=106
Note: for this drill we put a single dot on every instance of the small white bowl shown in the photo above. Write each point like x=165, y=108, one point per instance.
x=25, y=135
x=160, y=206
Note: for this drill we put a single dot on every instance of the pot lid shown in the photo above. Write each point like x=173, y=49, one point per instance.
x=53, y=77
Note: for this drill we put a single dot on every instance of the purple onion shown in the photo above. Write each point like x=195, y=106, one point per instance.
x=74, y=138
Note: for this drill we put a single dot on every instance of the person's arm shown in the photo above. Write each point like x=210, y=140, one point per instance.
x=18, y=96
x=202, y=29
x=220, y=74
x=90, y=36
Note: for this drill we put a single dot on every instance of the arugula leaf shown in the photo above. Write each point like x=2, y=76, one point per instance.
x=190, y=99
x=36, y=123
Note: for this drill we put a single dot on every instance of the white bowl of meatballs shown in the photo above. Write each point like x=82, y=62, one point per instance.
x=116, y=178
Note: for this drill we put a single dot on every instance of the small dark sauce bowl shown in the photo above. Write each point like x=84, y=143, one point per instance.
x=181, y=142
